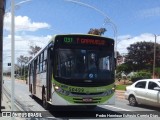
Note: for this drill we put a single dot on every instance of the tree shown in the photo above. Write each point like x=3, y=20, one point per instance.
x=33, y=50
x=140, y=55
x=124, y=68
x=96, y=31
x=22, y=60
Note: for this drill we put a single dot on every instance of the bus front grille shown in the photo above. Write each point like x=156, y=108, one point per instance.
x=76, y=93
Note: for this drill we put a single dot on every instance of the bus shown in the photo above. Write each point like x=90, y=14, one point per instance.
x=74, y=69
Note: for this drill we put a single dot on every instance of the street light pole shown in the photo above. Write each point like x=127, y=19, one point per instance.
x=12, y=53
x=13, y=49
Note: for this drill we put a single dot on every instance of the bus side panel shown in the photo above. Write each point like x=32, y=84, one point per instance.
x=43, y=78
x=38, y=87
x=41, y=81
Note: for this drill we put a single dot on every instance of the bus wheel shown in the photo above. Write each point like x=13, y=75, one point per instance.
x=32, y=96
x=44, y=100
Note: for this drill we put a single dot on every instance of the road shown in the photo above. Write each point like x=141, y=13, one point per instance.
x=121, y=109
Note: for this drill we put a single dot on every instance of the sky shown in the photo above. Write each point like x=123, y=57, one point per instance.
x=36, y=21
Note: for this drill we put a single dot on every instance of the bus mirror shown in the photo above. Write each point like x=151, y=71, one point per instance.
x=51, y=46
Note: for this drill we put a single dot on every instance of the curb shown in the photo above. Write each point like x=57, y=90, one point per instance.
x=120, y=91
x=120, y=94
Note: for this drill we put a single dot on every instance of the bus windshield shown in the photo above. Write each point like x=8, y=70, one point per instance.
x=88, y=65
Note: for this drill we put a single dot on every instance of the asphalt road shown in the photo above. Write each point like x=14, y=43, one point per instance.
x=121, y=109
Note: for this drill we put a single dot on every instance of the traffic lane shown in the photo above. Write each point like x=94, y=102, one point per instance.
x=124, y=104
x=120, y=105
x=22, y=91
x=80, y=112
x=120, y=109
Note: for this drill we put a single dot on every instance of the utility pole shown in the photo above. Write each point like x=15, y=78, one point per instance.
x=2, y=11
x=154, y=56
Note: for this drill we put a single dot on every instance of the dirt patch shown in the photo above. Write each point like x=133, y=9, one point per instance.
x=123, y=82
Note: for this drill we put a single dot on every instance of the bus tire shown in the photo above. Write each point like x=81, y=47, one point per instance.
x=44, y=101
x=32, y=96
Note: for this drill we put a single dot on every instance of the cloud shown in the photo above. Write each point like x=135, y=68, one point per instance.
x=23, y=23
x=22, y=44
x=150, y=12
x=126, y=40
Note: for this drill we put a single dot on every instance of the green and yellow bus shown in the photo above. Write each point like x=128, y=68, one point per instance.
x=74, y=69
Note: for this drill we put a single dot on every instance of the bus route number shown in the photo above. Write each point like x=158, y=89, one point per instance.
x=76, y=89
x=68, y=40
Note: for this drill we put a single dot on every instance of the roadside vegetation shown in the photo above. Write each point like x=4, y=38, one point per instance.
x=138, y=62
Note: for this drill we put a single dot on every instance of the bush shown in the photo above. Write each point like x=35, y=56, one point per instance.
x=140, y=75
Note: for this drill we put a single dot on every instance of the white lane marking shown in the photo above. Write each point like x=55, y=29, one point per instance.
x=117, y=108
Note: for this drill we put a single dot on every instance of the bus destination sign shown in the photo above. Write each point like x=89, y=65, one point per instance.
x=86, y=41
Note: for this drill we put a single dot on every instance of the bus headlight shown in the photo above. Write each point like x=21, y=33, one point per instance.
x=61, y=91
x=56, y=88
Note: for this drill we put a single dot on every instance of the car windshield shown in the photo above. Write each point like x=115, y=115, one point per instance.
x=84, y=64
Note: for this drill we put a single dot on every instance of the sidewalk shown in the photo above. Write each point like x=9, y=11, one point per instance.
x=6, y=103
x=6, y=109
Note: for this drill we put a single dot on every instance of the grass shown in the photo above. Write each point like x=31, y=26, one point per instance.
x=121, y=87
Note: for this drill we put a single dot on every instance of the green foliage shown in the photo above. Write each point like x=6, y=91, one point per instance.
x=125, y=68
x=96, y=31
x=157, y=72
x=140, y=54
x=121, y=87
x=141, y=75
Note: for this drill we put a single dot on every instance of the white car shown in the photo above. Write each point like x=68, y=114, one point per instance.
x=146, y=91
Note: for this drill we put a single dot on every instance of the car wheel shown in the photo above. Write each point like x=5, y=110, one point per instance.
x=132, y=101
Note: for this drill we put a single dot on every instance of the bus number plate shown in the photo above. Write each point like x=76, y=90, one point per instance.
x=87, y=99
x=79, y=90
